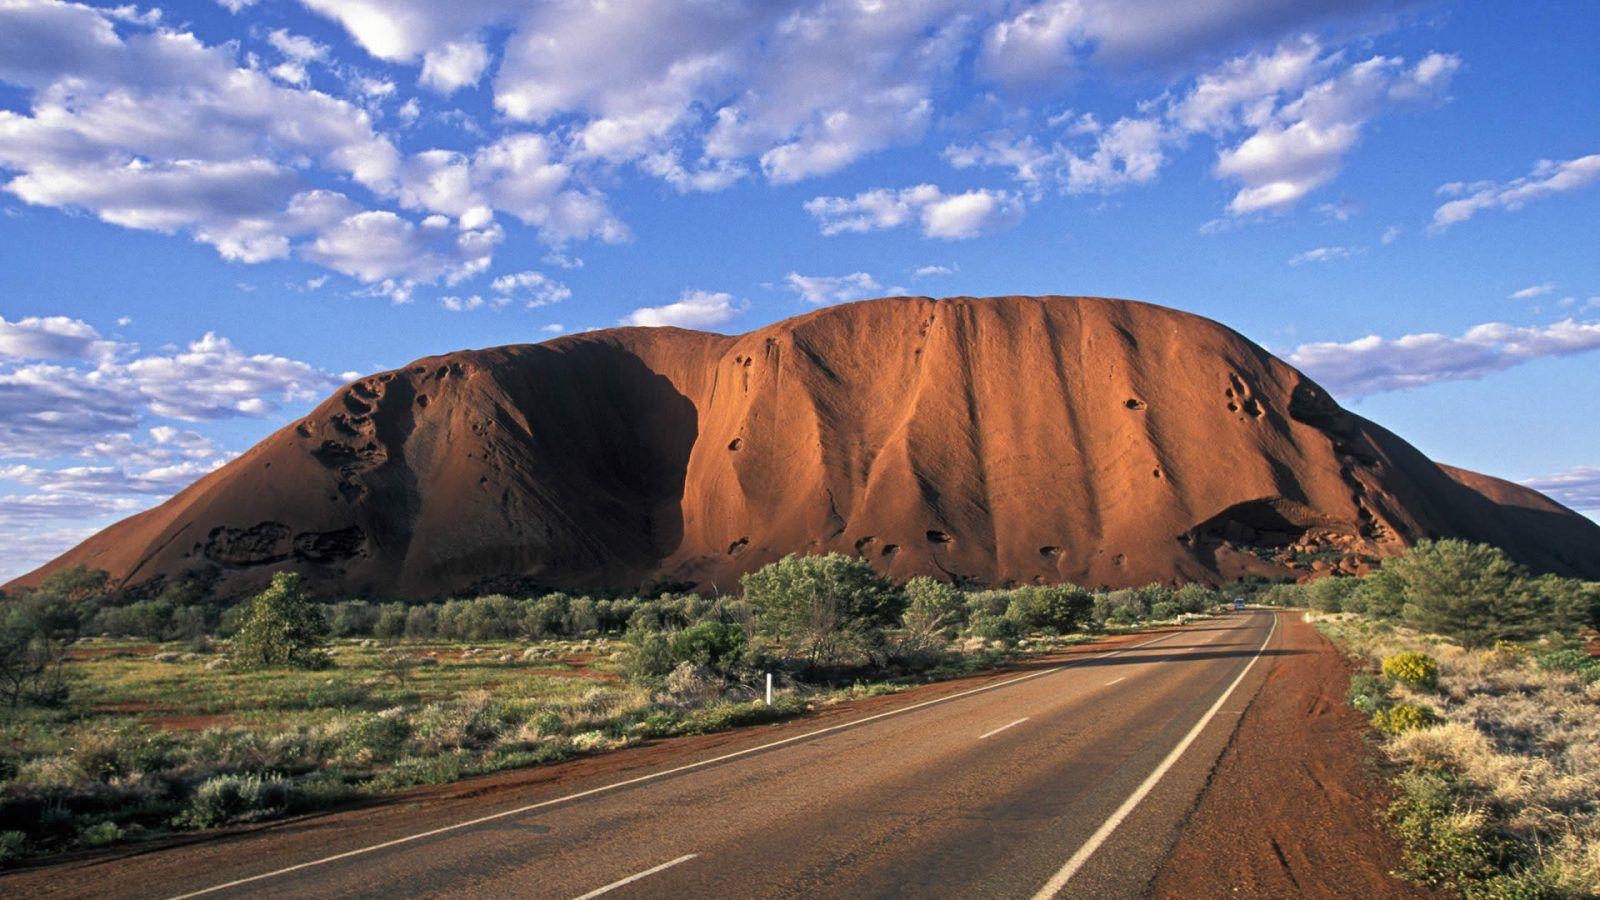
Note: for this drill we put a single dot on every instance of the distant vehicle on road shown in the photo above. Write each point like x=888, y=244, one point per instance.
x=1238, y=603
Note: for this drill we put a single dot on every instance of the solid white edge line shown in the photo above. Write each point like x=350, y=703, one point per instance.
x=1065, y=873
x=1002, y=728
x=632, y=878
x=664, y=773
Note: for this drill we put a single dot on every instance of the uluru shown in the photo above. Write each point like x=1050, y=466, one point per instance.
x=991, y=441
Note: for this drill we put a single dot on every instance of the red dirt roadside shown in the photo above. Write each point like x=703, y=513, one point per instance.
x=1292, y=808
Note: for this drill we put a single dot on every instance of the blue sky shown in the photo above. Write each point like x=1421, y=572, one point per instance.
x=211, y=213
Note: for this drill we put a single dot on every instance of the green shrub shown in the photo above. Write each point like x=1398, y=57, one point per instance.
x=1403, y=717
x=104, y=755
x=548, y=722
x=1123, y=615
x=1061, y=608
x=338, y=693
x=1333, y=594
x=1368, y=693
x=722, y=716
x=1380, y=594
x=282, y=628
x=1166, y=609
x=826, y=607
x=1473, y=593
x=717, y=646
x=992, y=603
x=932, y=606
x=1418, y=670
x=1439, y=850
x=35, y=630
x=1572, y=660
x=994, y=628
x=13, y=844
x=236, y=798
x=1195, y=598
x=377, y=738
x=101, y=834
x=1284, y=595
x=648, y=656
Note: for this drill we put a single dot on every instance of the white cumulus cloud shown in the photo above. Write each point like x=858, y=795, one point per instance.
x=1548, y=178
x=1373, y=364
x=938, y=214
x=692, y=309
x=823, y=290
x=1577, y=487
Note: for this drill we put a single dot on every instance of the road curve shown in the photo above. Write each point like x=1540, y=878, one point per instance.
x=1070, y=779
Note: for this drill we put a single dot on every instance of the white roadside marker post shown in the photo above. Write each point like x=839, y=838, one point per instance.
x=769, y=688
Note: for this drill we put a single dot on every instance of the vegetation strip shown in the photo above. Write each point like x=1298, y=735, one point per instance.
x=1488, y=706
x=132, y=718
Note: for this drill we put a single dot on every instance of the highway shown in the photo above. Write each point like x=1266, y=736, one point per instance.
x=1069, y=779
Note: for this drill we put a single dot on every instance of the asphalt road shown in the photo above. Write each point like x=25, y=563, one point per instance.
x=1072, y=778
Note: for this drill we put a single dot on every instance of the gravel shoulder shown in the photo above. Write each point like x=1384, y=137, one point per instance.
x=1292, y=808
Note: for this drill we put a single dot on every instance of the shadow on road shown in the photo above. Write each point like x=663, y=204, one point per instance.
x=1155, y=656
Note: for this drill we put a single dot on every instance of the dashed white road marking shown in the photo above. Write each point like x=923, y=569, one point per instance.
x=1115, y=680
x=652, y=776
x=1002, y=728
x=632, y=878
x=1075, y=863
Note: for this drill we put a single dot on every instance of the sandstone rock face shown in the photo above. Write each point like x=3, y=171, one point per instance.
x=997, y=440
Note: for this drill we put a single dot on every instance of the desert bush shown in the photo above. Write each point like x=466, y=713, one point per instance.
x=648, y=655
x=1573, y=603
x=1417, y=670
x=1061, y=608
x=13, y=844
x=827, y=608
x=1471, y=592
x=1403, y=717
x=1500, y=796
x=1380, y=594
x=1122, y=615
x=236, y=798
x=1368, y=693
x=932, y=606
x=421, y=623
x=1195, y=598
x=1166, y=609
x=994, y=628
x=376, y=738
x=1283, y=595
x=75, y=585
x=1445, y=846
x=35, y=631
x=1332, y=594
x=717, y=646
x=122, y=752
x=1573, y=660
x=987, y=603
x=100, y=834
x=350, y=618
x=283, y=628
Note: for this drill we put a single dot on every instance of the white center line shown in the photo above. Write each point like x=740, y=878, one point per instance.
x=1002, y=728
x=1060, y=879
x=632, y=878
x=1115, y=680
x=666, y=773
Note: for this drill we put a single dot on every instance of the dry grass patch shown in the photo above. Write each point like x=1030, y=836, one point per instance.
x=1504, y=795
